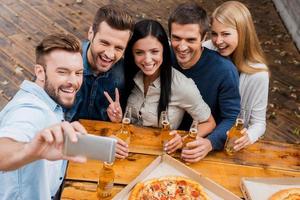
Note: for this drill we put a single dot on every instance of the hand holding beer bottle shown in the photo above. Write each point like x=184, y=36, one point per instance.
x=171, y=140
x=165, y=129
x=192, y=135
x=124, y=133
x=235, y=133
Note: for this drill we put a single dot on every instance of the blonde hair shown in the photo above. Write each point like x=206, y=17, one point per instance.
x=237, y=16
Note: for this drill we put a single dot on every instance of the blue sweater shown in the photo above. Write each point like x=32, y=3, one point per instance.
x=217, y=79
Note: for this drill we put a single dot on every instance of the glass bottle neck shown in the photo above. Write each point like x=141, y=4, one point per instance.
x=108, y=165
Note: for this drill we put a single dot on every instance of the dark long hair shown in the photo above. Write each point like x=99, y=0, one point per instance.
x=143, y=29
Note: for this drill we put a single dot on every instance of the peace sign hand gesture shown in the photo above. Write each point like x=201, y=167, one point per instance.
x=114, y=110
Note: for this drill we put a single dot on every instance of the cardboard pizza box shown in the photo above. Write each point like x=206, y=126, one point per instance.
x=165, y=165
x=264, y=188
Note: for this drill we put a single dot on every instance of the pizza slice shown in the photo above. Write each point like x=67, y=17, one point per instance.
x=168, y=188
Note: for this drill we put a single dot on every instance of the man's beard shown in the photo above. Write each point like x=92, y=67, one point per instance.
x=50, y=90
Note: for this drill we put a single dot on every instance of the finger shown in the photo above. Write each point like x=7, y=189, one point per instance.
x=174, y=132
x=120, y=142
x=194, y=160
x=69, y=131
x=78, y=127
x=79, y=159
x=121, y=156
x=195, y=157
x=244, y=131
x=174, y=143
x=240, y=140
x=110, y=112
x=117, y=95
x=240, y=145
x=173, y=140
x=46, y=136
x=121, y=151
x=247, y=142
x=117, y=109
x=194, y=144
x=108, y=97
x=169, y=151
x=190, y=153
x=57, y=134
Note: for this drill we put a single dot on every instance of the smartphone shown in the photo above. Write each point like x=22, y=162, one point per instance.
x=92, y=147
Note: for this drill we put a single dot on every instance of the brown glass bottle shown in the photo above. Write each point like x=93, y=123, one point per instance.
x=106, y=181
x=124, y=132
x=233, y=135
x=165, y=128
x=190, y=137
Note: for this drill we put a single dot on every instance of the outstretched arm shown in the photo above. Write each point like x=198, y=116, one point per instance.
x=47, y=144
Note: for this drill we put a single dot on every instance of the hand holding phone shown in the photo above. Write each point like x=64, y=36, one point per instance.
x=92, y=147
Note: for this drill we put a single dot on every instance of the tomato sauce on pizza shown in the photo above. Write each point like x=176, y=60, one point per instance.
x=168, y=188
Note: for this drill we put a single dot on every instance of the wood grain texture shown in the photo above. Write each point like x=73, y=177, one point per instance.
x=147, y=140
x=263, y=159
x=23, y=24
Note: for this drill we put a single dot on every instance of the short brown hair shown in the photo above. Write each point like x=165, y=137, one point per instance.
x=115, y=17
x=52, y=42
x=190, y=13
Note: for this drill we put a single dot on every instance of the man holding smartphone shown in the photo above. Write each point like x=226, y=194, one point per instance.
x=32, y=126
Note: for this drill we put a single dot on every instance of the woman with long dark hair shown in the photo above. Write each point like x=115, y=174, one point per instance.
x=154, y=86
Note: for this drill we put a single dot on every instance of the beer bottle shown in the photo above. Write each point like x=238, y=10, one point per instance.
x=106, y=181
x=165, y=128
x=124, y=132
x=235, y=133
x=192, y=135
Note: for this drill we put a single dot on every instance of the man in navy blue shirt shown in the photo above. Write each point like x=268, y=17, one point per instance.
x=216, y=77
x=103, y=65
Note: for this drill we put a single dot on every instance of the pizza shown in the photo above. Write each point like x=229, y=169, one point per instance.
x=287, y=194
x=168, y=188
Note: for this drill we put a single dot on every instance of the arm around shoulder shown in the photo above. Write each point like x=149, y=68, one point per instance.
x=47, y=144
x=193, y=103
x=228, y=106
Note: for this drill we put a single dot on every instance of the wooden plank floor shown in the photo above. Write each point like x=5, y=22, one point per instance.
x=23, y=23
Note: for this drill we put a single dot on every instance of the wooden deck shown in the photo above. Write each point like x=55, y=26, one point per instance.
x=23, y=23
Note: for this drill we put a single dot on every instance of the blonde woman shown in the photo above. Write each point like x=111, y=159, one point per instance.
x=234, y=36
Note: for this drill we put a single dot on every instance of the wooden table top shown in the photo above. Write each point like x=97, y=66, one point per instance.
x=262, y=159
